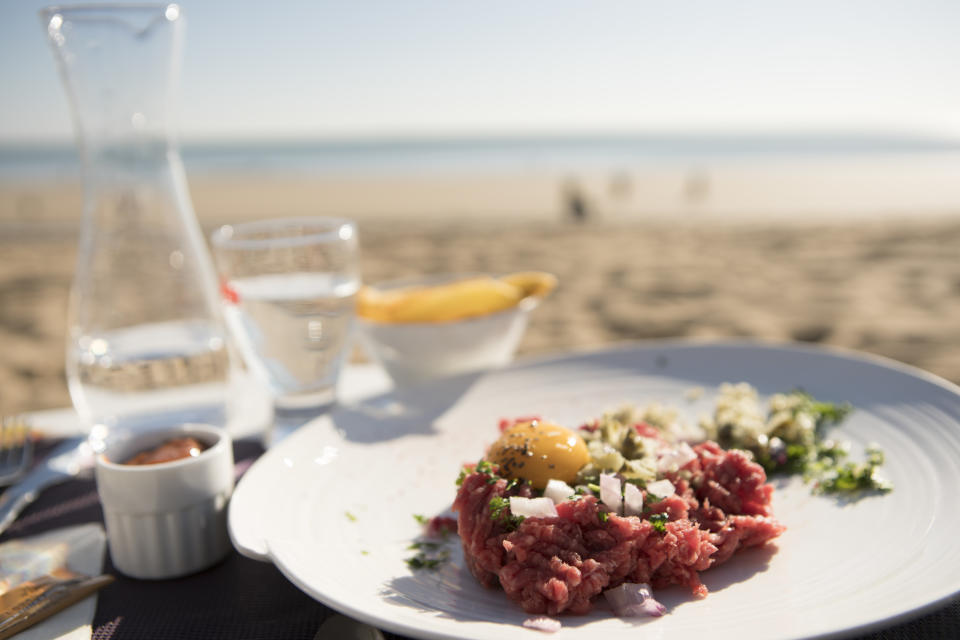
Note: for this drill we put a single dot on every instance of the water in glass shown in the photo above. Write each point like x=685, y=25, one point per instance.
x=293, y=330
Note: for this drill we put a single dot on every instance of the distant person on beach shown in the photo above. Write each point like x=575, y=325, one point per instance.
x=574, y=203
x=696, y=186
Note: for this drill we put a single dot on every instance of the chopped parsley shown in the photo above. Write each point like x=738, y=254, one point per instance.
x=831, y=472
x=825, y=413
x=430, y=552
x=500, y=512
x=428, y=560
x=487, y=467
x=424, y=545
x=825, y=464
x=350, y=516
x=603, y=515
x=484, y=467
x=498, y=505
x=659, y=521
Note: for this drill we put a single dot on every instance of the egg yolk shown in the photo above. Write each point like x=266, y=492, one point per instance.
x=539, y=451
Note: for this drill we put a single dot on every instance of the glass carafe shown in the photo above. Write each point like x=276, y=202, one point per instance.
x=146, y=345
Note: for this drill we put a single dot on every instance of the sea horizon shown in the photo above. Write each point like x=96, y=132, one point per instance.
x=399, y=155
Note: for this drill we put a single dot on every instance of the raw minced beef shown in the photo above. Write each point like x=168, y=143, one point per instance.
x=555, y=565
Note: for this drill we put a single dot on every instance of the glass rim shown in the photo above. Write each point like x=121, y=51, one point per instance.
x=122, y=13
x=312, y=229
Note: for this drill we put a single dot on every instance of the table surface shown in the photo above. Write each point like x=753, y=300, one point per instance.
x=243, y=598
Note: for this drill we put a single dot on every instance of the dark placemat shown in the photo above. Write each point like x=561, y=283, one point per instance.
x=242, y=599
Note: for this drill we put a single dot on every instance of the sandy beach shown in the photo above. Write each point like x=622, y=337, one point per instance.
x=761, y=190
x=886, y=284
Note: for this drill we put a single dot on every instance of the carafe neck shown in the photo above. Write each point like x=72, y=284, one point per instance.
x=119, y=65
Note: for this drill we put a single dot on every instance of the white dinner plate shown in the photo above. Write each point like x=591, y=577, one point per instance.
x=332, y=506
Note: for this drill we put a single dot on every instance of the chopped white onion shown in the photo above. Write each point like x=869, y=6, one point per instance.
x=648, y=607
x=632, y=599
x=674, y=458
x=542, y=623
x=632, y=500
x=558, y=491
x=661, y=488
x=532, y=507
x=610, y=492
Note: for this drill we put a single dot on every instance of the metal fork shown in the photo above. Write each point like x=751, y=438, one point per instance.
x=16, y=449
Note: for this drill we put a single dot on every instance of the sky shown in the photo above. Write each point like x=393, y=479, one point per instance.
x=308, y=68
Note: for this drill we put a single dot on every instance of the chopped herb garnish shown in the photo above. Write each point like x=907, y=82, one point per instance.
x=425, y=561
x=430, y=555
x=790, y=439
x=797, y=455
x=497, y=507
x=500, y=511
x=603, y=515
x=825, y=413
x=422, y=519
x=364, y=552
x=659, y=521
x=423, y=544
x=350, y=516
x=420, y=562
x=832, y=475
x=484, y=467
x=593, y=487
x=489, y=469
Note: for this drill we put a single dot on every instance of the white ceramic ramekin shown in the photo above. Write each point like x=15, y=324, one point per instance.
x=168, y=519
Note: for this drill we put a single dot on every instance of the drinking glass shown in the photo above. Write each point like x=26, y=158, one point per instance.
x=288, y=288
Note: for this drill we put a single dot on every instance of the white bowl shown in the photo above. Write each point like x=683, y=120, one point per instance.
x=416, y=352
x=168, y=519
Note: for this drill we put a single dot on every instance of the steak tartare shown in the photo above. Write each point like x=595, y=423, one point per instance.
x=625, y=503
x=553, y=564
